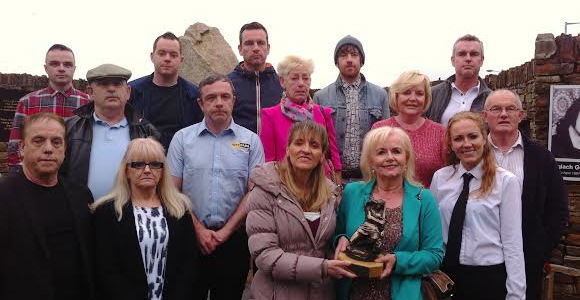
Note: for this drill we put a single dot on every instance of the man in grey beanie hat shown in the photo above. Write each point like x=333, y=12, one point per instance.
x=356, y=103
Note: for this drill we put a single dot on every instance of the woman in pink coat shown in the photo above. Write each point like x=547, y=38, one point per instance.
x=296, y=105
x=291, y=220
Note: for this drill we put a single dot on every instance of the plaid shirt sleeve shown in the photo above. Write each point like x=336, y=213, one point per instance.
x=15, y=132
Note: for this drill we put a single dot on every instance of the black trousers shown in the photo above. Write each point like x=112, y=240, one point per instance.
x=479, y=282
x=223, y=273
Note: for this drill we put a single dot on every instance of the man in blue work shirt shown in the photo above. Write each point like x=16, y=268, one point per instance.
x=211, y=162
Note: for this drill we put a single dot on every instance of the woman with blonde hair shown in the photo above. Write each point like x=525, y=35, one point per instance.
x=145, y=240
x=410, y=242
x=480, y=206
x=410, y=97
x=291, y=219
x=297, y=105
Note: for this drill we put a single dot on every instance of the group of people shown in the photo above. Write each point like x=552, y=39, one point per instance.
x=160, y=189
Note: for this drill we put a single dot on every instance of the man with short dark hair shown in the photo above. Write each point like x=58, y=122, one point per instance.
x=211, y=163
x=101, y=131
x=45, y=223
x=544, y=197
x=60, y=97
x=465, y=90
x=164, y=98
x=256, y=82
x=356, y=104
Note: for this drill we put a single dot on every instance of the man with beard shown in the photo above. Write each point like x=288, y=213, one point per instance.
x=356, y=104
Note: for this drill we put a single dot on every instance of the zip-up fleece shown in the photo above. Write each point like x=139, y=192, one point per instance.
x=254, y=91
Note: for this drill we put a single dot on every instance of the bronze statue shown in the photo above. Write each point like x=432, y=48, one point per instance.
x=364, y=243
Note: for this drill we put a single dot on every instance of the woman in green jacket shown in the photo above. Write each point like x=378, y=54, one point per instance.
x=411, y=243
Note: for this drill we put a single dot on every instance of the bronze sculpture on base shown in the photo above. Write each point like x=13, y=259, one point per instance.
x=364, y=244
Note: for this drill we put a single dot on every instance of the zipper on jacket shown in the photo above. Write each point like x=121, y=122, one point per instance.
x=258, y=104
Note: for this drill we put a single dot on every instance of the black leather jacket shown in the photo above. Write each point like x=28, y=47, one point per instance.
x=79, y=138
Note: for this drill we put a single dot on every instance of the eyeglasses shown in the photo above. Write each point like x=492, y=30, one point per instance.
x=142, y=165
x=510, y=110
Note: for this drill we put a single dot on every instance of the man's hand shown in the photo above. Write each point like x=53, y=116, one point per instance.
x=221, y=235
x=206, y=240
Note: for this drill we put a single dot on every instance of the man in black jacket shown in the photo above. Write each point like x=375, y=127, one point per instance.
x=46, y=231
x=544, y=197
x=98, y=136
x=166, y=99
x=256, y=83
x=465, y=90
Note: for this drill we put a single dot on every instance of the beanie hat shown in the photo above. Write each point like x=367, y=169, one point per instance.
x=349, y=40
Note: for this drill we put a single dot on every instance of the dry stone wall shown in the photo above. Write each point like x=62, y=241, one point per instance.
x=556, y=62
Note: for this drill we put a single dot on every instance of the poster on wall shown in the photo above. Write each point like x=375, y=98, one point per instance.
x=564, y=135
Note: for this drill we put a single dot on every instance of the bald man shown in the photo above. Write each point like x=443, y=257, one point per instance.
x=544, y=196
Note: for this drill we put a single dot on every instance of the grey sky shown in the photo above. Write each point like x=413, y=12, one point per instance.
x=396, y=35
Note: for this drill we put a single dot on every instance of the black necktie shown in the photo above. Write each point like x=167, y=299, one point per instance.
x=451, y=258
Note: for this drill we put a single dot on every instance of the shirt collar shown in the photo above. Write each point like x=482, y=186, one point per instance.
x=355, y=84
x=53, y=92
x=475, y=88
x=519, y=142
x=231, y=129
x=122, y=124
x=477, y=172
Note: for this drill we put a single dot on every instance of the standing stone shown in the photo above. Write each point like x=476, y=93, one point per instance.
x=205, y=51
x=545, y=46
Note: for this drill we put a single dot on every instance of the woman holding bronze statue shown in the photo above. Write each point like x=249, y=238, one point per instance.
x=405, y=215
x=145, y=241
x=291, y=219
x=410, y=97
x=480, y=205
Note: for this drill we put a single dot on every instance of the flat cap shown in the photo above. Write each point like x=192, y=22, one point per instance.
x=108, y=71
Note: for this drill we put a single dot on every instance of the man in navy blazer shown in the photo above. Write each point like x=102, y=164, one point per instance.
x=544, y=196
x=46, y=248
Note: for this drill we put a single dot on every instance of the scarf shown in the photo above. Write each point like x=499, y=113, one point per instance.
x=297, y=112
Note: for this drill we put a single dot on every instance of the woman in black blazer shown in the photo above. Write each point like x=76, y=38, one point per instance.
x=145, y=240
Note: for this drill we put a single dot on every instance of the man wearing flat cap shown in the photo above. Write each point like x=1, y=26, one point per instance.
x=98, y=135
x=356, y=104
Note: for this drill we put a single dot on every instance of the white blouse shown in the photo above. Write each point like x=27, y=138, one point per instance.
x=492, y=232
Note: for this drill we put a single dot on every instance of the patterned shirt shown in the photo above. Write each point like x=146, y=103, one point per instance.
x=44, y=100
x=153, y=235
x=352, y=147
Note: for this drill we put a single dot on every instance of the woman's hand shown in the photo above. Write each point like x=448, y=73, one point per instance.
x=337, y=269
x=343, y=242
x=389, y=260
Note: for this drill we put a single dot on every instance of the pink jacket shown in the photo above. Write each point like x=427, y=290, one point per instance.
x=276, y=129
x=288, y=255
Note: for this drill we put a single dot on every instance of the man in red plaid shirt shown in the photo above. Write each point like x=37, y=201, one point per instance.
x=60, y=97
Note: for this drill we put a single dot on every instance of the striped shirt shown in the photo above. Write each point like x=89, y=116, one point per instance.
x=513, y=160
x=45, y=100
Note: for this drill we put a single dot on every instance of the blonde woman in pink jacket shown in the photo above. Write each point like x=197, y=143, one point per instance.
x=291, y=220
x=296, y=105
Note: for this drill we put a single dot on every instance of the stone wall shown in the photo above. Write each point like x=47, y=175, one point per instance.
x=556, y=62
